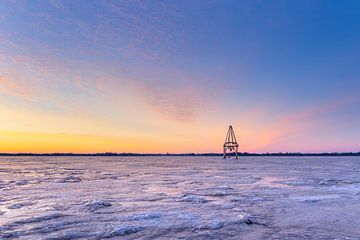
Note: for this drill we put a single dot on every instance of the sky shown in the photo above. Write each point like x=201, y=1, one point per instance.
x=171, y=76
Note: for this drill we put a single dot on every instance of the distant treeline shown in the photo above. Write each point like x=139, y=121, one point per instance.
x=110, y=154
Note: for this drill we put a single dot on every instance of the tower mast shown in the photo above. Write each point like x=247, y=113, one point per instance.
x=231, y=143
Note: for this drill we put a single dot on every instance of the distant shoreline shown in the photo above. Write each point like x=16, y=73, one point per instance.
x=109, y=154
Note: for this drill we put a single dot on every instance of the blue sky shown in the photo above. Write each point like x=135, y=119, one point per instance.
x=284, y=73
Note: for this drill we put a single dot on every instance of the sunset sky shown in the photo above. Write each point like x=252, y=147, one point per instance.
x=171, y=76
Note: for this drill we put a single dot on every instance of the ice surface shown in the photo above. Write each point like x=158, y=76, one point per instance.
x=179, y=198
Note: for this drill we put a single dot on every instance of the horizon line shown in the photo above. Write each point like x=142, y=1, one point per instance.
x=352, y=153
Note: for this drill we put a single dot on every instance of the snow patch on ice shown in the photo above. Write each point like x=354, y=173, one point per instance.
x=296, y=183
x=20, y=205
x=123, y=231
x=21, y=182
x=97, y=204
x=215, y=225
x=149, y=199
x=318, y=198
x=210, y=226
x=146, y=216
x=39, y=219
x=219, y=191
x=249, y=179
x=244, y=218
x=61, y=207
x=336, y=181
x=70, y=179
x=70, y=236
x=193, y=199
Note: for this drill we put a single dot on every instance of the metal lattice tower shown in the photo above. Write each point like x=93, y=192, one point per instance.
x=230, y=143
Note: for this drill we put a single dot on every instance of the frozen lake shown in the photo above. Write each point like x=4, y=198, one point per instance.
x=179, y=198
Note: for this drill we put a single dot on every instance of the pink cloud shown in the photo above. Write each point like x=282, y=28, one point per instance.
x=16, y=88
x=291, y=126
x=181, y=104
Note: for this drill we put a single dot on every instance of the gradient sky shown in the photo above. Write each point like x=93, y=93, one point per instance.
x=170, y=76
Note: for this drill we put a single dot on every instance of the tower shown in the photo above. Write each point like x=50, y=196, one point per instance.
x=230, y=143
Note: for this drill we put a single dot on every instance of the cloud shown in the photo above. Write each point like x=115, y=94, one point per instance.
x=177, y=103
x=265, y=128
x=16, y=88
x=179, y=100
x=283, y=130
x=104, y=53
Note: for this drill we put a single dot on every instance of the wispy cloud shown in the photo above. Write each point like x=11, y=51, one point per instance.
x=168, y=65
x=177, y=103
x=293, y=125
x=133, y=37
x=17, y=88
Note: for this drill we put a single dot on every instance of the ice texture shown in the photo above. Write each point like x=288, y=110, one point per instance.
x=179, y=198
x=97, y=204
